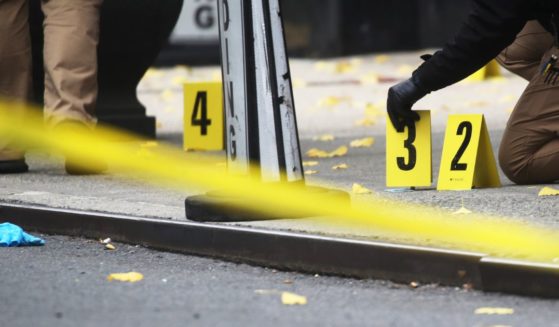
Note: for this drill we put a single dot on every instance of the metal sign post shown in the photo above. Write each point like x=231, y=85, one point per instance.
x=260, y=115
x=261, y=127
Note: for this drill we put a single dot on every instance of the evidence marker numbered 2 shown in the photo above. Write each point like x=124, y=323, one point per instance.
x=203, y=116
x=408, y=154
x=467, y=160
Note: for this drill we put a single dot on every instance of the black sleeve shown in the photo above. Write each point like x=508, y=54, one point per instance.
x=491, y=26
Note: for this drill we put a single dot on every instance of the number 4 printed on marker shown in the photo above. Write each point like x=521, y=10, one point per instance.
x=203, y=116
x=201, y=109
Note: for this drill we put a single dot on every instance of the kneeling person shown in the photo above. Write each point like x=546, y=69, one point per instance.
x=522, y=34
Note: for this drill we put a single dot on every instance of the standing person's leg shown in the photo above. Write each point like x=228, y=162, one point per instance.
x=71, y=31
x=523, y=56
x=15, y=75
x=529, y=152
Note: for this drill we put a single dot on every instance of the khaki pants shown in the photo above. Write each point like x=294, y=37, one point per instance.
x=71, y=33
x=529, y=152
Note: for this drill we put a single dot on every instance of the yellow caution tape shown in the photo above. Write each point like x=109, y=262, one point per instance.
x=413, y=224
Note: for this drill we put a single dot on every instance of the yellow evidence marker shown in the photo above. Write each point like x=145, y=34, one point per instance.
x=491, y=70
x=203, y=116
x=467, y=161
x=408, y=154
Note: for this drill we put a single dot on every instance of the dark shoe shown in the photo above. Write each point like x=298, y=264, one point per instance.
x=17, y=166
x=76, y=165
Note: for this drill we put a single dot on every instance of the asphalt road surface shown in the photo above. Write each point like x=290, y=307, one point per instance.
x=65, y=284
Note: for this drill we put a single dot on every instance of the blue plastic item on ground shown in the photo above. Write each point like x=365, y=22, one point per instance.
x=13, y=235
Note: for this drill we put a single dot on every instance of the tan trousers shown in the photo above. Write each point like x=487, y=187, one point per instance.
x=71, y=33
x=529, y=152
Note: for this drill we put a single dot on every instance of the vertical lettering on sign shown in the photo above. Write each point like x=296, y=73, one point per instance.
x=233, y=60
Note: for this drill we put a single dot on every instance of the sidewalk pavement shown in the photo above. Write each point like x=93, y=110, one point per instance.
x=344, y=98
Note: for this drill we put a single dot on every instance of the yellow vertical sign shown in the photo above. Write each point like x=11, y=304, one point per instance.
x=467, y=159
x=408, y=154
x=203, y=116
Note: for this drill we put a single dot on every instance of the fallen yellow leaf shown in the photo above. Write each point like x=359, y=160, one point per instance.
x=323, y=65
x=153, y=72
x=167, y=95
x=316, y=153
x=299, y=83
x=373, y=110
x=216, y=76
x=131, y=277
x=344, y=67
x=288, y=298
x=406, y=69
x=548, y=191
x=340, y=167
x=179, y=80
x=494, y=311
x=325, y=138
x=371, y=78
x=363, y=143
x=339, y=152
x=109, y=246
x=462, y=211
x=149, y=144
x=508, y=98
x=182, y=68
x=310, y=163
x=360, y=189
x=331, y=101
x=381, y=59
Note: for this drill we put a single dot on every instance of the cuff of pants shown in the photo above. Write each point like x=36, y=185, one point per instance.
x=53, y=120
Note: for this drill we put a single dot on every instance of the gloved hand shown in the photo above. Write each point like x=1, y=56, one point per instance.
x=401, y=98
x=13, y=235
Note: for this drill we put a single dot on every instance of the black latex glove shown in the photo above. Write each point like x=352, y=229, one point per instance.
x=401, y=98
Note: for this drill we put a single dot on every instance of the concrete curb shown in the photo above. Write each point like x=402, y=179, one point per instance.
x=297, y=251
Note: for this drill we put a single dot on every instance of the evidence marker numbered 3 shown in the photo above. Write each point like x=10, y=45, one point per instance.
x=409, y=154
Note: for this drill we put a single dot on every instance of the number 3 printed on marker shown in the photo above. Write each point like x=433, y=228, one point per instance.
x=408, y=153
x=412, y=151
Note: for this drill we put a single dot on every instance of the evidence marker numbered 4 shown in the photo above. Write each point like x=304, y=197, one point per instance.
x=409, y=154
x=203, y=116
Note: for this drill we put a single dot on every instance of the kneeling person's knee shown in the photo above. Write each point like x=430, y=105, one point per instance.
x=514, y=167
